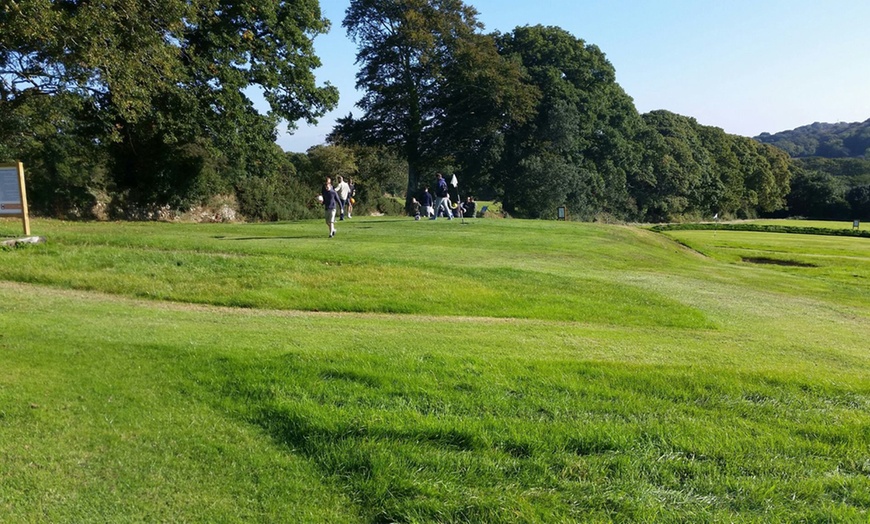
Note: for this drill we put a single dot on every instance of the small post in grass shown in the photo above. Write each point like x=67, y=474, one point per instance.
x=13, y=197
x=560, y=213
x=856, y=224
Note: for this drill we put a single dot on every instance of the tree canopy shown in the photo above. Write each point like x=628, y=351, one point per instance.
x=577, y=148
x=536, y=118
x=159, y=87
x=143, y=105
x=433, y=84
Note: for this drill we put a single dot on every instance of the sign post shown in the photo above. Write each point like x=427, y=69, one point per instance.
x=13, y=197
x=560, y=213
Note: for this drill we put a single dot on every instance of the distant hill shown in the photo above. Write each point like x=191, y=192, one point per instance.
x=842, y=140
x=831, y=165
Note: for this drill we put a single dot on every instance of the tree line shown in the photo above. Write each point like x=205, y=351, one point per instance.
x=831, y=169
x=536, y=118
x=143, y=105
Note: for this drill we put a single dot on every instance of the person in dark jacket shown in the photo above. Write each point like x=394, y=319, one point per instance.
x=468, y=207
x=428, y=203
x=443, y=198
x=330, y=202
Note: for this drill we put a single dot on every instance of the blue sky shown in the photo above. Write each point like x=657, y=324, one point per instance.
x=745, y=66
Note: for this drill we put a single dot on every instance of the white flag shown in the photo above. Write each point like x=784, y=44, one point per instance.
x=454, y=182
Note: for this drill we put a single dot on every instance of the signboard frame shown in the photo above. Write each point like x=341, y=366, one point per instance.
x=14, y=203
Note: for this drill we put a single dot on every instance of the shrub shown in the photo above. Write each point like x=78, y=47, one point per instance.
x=271, y=199
x=387, y=205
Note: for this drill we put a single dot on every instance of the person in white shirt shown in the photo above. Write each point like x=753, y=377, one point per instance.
x=343, y=191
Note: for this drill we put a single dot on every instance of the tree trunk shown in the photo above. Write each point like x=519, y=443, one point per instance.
x=413, y=183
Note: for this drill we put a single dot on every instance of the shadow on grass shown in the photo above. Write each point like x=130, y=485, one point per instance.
x=267, y=238
x=393, y=459
x=303, y=434
x=777, y=262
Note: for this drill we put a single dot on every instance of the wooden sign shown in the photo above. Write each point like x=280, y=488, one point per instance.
x=13, y=196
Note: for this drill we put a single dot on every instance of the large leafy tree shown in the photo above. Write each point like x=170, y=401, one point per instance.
x=68, y=71
x=579, y=147
x=484, y=97
x=432, y=82
x=163, y=84
x=694, y=169
x=725, y=190
x=677, y=167
x=116, y=53
x=402, y=48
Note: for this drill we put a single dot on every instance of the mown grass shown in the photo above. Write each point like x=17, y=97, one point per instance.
x=388, y=265
x=817, y=266
x=632, y=379
x=828, y=224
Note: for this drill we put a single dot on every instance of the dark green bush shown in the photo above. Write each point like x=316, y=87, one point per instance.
x=388, y=206
x=271, y=199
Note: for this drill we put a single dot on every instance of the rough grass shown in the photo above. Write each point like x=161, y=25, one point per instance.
x=626, y=378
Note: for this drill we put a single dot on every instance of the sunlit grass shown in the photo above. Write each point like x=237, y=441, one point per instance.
x=535, y=372
x=388, y=266
x=831, y=267
x=828, y=224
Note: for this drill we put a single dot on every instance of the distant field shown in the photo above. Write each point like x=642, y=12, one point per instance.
x=494, y=371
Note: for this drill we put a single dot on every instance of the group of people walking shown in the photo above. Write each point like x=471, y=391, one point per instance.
x=440, y=203
x=338, y=198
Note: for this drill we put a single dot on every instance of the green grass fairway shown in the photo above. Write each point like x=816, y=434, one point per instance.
x=497, y=371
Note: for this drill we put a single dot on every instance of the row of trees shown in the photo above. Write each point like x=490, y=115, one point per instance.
x=536, y=118
x=148, y=104
x=831, y=169
x=830, y=188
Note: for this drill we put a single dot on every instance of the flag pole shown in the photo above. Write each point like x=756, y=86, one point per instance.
x=455, y=183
